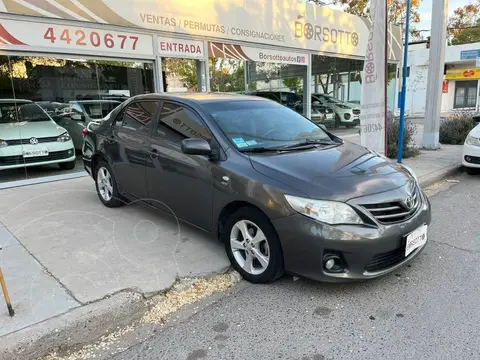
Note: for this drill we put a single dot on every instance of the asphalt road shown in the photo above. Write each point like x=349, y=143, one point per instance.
x=428, y=310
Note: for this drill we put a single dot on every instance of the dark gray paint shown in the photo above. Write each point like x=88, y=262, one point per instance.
x=194, y=189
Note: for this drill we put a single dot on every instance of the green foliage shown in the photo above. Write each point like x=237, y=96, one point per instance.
x=454, y=130
x=293, y=84
x=467, y=36
x=393, y=132
x=227, y=75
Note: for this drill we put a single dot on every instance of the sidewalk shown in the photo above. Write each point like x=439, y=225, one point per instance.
x=75, y=267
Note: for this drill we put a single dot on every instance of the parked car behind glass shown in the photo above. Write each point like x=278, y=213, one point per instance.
x=282, y=194
x=80, y=113
x=29, y=137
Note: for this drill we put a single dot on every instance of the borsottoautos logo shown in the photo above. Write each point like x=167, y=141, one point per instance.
x=283, y=58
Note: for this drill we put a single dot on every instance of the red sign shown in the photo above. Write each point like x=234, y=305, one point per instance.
x=468, y=73
x=445, y=87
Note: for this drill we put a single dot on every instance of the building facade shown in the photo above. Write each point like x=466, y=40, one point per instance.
x=461, y=86
x=78, y=58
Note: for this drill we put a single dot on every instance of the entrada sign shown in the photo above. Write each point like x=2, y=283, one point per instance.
x=180, y=48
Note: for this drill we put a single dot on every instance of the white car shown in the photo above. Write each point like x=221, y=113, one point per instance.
x=471, y=150
x=30, y=137
x=346, y=114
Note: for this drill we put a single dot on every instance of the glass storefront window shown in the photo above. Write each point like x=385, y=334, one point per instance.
x=336, y=91
x=183, y=75
x=50, y=100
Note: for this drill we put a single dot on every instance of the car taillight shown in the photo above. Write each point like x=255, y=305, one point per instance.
x=84, y=132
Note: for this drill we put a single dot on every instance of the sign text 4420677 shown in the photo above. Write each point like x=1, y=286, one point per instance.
x=56, y=37
x=84, y=37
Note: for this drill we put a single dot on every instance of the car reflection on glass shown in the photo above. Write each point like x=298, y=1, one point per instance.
x=281, y=193
x=80, y=113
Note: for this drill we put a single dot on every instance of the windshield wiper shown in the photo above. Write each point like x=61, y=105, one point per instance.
x=262, y=149
x=312, y=142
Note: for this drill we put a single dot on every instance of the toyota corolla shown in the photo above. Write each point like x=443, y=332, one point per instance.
x=281, y=193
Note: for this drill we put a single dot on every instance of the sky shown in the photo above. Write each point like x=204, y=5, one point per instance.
x=426, y=11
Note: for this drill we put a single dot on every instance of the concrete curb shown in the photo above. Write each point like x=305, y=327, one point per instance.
x=79, y=326
x=438, y=175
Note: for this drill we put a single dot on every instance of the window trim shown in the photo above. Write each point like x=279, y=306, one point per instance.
x=154, y=116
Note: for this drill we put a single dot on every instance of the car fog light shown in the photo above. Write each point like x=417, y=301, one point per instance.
x=330, y=264
x=468, y=158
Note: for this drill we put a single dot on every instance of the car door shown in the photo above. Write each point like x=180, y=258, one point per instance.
x=129, y=146
x=182, y=184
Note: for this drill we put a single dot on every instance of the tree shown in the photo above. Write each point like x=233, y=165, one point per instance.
x=396, y=11
x=293, y=83
x=463, y=24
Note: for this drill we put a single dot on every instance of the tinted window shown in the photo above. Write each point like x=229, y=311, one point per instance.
x=139, y=116
x=177, y=123
x=250, y=124
x=12, y=112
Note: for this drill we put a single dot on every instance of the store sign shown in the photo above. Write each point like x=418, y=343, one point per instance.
x=373, y=89
x=294, y=23
x=469, y=54
x=229, y=51
x=445, y=87
x=463, y=74
x=50, y=37
x=180, y=48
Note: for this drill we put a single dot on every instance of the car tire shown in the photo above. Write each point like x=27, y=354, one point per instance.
x=471, y=171
x=268, y=250
x=67, y=165
x=106, y=185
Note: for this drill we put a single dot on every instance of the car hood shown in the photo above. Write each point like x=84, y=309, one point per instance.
x=28, y=129
x=341, y=173
x=475, y=132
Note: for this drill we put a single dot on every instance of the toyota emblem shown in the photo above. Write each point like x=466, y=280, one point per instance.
x=33, y=141
x=409, y=202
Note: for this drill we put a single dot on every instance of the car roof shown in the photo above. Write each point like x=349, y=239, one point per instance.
x=199, y=98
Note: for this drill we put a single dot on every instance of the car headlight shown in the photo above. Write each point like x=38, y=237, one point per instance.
x=3, y=143
x=330, y=212
x=471, y=140
x=64, y=137
x=410, y=170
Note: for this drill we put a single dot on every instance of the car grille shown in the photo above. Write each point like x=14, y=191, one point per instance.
x=385, y=260
x=19, y=160
x=27, y=141
x=393, y=212
x=356, y=111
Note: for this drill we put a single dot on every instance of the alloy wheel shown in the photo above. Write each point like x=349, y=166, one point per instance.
x=105, y=184
x=250, y=247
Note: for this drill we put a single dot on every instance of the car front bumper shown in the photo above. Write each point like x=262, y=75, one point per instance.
x=11, y=157
x=306, y=241
x=471, y=156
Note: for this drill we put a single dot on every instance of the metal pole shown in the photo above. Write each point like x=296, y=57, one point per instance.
x=386, y=80
x=436, y=65
x=404, y=87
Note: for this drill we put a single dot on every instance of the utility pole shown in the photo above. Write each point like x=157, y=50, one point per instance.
x=438, y=39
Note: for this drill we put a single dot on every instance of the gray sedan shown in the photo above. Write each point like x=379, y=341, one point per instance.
x=281, y=193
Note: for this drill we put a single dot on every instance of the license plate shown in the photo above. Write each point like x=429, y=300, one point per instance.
x=34, y=153
x=416, y=239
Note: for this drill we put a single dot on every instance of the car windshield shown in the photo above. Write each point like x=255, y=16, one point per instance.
x=11, y=112
x=99, y=110
x=261, y=124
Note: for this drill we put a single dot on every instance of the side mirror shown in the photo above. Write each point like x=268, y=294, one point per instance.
x=77, y=117
x=316, y=103
x=197, y=146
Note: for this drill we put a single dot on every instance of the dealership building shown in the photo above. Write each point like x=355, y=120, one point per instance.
x=72, y=54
